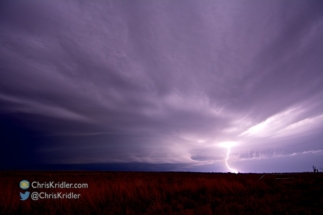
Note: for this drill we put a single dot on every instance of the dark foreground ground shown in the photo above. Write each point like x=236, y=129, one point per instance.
x=167, y=193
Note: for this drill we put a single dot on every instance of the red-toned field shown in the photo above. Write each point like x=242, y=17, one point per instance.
x=167, y=193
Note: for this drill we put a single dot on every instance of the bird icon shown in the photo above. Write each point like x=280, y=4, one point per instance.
x=24, y=196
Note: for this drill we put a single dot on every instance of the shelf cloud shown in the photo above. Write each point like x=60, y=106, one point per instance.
x=161, y=82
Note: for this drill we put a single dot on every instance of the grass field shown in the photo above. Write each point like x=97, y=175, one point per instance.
x=167, y=193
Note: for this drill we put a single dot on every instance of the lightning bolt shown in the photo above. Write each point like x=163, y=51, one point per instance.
x=228, y=145
x=226, y=162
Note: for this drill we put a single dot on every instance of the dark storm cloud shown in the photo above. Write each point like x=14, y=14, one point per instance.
x=162, y=81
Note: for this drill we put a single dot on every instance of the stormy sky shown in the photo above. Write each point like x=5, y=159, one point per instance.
x=162, y=85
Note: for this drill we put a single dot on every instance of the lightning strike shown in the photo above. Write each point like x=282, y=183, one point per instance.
x=228, y=145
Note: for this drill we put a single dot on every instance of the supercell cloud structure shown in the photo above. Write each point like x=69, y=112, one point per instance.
x=162, y=82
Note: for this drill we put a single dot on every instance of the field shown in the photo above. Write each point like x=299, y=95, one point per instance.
x=167, y=193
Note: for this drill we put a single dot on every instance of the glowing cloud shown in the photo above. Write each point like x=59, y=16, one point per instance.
x=289, y=122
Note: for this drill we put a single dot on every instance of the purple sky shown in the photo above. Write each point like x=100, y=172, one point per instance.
x=163, y=82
